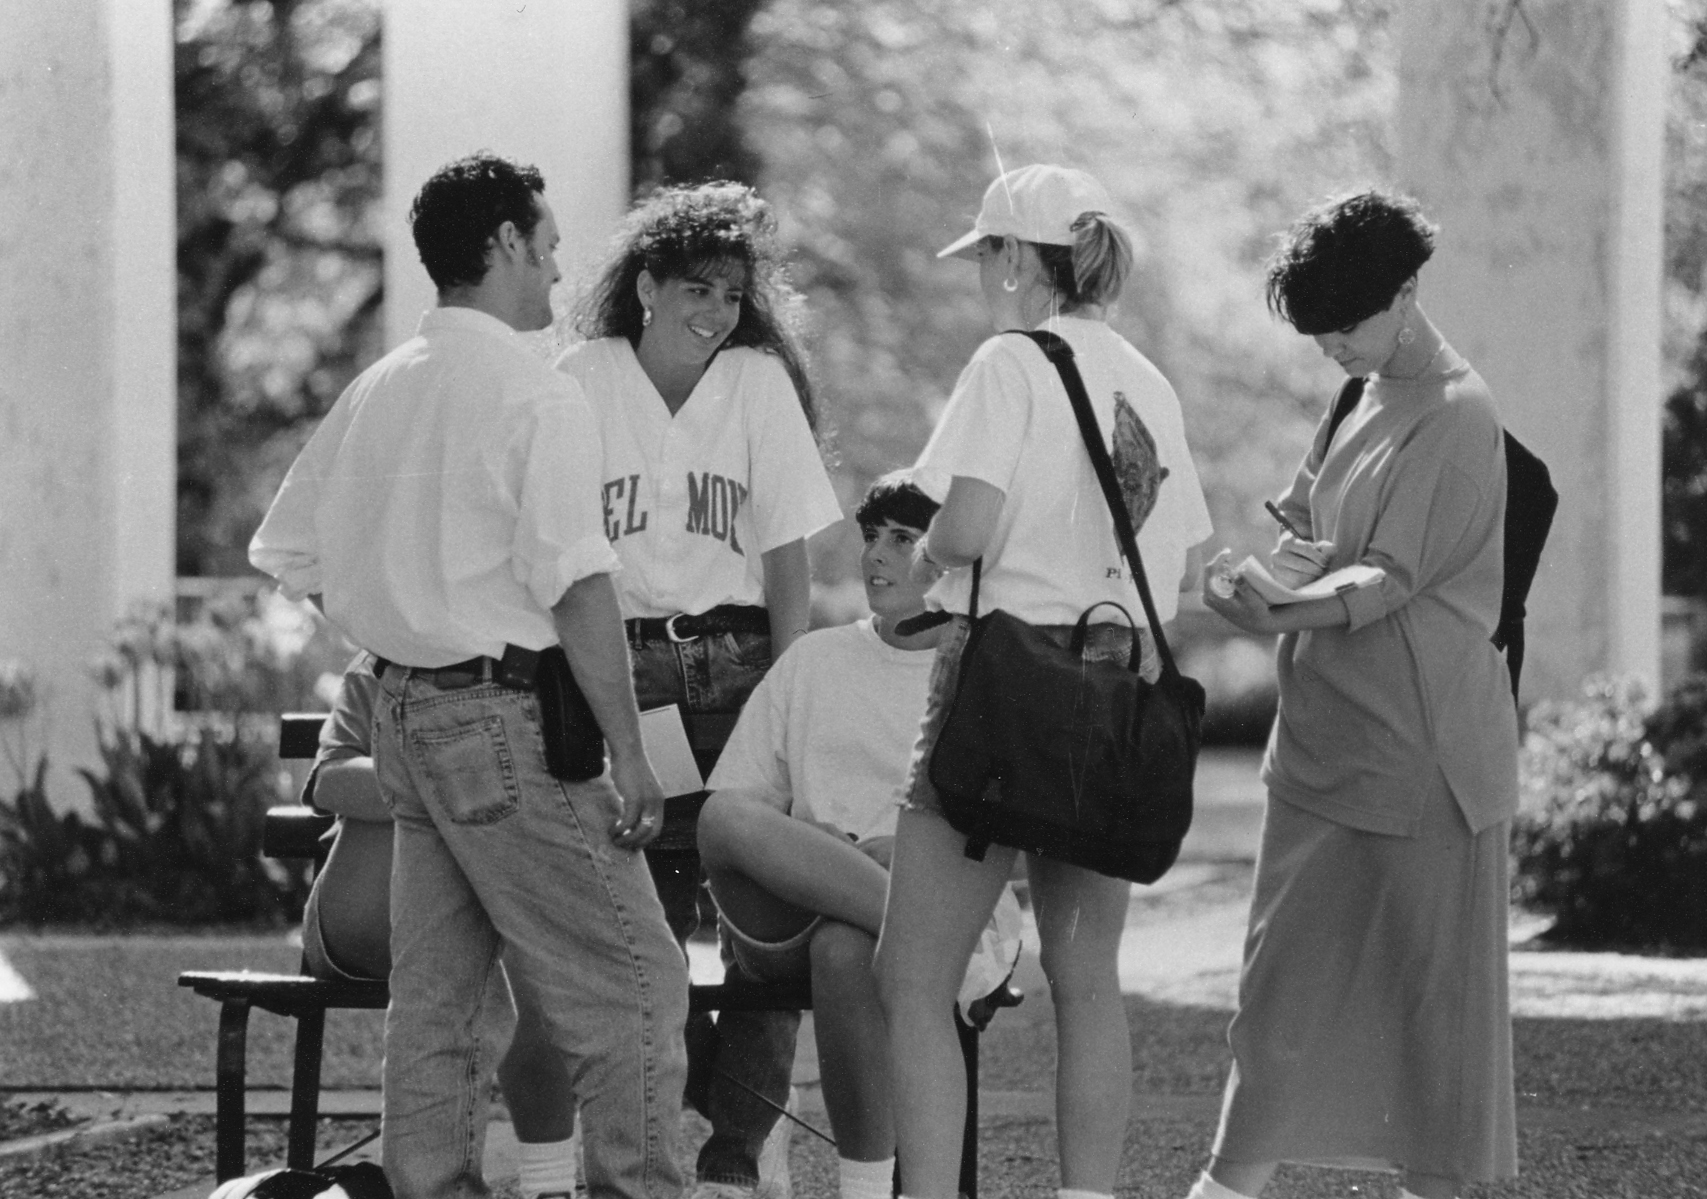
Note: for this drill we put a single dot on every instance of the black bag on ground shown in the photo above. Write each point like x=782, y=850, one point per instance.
x=1081, y=761
x=1530, y=502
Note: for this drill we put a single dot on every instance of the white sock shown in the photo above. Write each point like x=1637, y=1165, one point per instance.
x=866, y=1180
x=1069, y=1193
x=547, y=1167
x=1208, y=1188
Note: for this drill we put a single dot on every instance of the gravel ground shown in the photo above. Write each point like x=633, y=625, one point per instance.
x=151, y=1163
x=18, y=1119
x=108, y=1015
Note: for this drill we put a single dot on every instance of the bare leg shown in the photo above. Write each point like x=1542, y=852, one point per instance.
x=939, y=901
x=852, y=1036
x=1080, y=915
x=755, y=856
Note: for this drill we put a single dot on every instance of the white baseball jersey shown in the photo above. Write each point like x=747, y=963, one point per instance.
x=691, y=501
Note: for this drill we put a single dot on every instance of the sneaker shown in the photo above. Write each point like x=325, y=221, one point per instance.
x=774, y=1182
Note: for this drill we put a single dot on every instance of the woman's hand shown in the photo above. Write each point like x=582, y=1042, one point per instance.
x=1226, y=592
x=1296, y=562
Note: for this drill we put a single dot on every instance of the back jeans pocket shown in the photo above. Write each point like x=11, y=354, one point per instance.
x=469, y=770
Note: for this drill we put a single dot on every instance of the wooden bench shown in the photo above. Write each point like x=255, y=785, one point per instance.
x=295, y=832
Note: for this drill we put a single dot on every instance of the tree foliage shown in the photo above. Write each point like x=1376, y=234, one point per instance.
x=687, y=70
x=880, y=123
x=1684, y=447
x=279, y=281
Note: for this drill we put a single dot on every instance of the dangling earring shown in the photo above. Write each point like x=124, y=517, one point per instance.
x=645, y=316
x=1407, y=335
x=1010, y=284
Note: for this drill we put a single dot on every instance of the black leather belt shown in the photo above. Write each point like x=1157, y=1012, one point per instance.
x=468, y=673
x=725, y=618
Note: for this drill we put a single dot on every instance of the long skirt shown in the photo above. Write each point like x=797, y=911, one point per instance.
x=1374, y=1026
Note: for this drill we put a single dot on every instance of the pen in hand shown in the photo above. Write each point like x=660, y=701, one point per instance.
x=1281, y=517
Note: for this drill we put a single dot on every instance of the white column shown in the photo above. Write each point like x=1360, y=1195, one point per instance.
x=540, y=83
x=88, y=396
x=1533, y=133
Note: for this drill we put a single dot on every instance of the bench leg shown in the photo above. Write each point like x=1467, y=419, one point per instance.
x=969, y=1138
x=230, y=1063
x=305, y=1089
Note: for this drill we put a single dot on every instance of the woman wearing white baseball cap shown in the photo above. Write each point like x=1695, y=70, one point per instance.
x=1019, y=492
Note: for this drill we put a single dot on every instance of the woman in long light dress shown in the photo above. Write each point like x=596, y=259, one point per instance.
x=1373, y=1029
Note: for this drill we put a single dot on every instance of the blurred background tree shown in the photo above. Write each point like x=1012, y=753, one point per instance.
x=1684, y=455
x=882, y=122
x=279, y=280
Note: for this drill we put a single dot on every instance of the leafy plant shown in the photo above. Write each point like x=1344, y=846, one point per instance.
x=177, y=803
x=1611, y=838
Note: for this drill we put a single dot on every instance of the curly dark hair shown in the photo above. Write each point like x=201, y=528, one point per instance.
x=700, y=231
x=895, y=497
x=1345, y=260
x=457, y=211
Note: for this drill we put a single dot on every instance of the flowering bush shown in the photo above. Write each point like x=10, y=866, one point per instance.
x=186, y=773
x=1611, y=836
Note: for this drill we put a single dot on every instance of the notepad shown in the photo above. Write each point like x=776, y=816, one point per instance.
x=668, y=750
x=1347, y=578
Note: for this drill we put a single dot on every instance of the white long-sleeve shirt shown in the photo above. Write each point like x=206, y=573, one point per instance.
x=448, y=499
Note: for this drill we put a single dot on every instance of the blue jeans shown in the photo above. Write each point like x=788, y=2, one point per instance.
x=742, y=1049
x=494, y=855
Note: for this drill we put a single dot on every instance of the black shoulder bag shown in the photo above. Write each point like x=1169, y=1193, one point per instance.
x=1081, y=761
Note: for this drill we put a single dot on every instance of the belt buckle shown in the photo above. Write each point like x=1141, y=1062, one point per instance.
x=670, y=629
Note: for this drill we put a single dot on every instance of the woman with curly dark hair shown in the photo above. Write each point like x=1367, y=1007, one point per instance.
x=1373, y=1027
x=713, y=480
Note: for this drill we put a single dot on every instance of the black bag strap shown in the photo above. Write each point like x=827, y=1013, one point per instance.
x=1345, y=400
x=1061, y=355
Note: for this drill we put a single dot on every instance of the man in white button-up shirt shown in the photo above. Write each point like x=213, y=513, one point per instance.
x=447, y=516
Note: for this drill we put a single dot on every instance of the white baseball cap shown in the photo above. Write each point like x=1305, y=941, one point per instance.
x=1037, y=204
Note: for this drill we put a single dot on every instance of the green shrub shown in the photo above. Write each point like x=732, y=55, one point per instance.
x=172, y=834
x=1611, y=836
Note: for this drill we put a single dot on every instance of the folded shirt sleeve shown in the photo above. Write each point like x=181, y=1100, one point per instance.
x=983, y=429
x=792, y=495
x=287, y=545
x=559, y=531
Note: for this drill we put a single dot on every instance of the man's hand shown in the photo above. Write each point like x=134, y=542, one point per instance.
x=642, y=817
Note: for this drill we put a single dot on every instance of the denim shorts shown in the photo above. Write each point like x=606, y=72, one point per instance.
x=771, y=961
x=1103, y=643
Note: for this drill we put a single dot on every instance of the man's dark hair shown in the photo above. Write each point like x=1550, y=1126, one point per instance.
x=1344, y=261
x=895, y=497
x=458, y=211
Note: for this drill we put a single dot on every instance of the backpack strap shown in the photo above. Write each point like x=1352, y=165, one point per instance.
x=1345, y=400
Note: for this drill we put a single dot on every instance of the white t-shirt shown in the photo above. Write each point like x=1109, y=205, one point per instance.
x=1054, y=552
x=828, y=733
x=692, y=501
x=447, y=501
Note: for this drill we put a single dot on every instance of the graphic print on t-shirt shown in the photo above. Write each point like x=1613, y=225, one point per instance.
x=1137, y=467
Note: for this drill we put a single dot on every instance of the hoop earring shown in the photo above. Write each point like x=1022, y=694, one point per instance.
x=1010, y=284
x=645, y=316
x=1407, y=335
